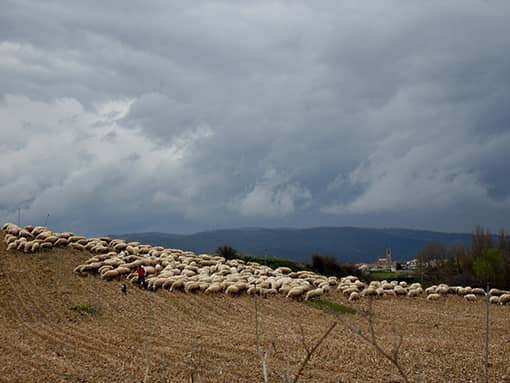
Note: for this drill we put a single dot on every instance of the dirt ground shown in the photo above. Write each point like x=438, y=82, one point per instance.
x=176, y=337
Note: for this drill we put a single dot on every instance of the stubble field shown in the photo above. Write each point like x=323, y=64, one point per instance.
x=176, y=337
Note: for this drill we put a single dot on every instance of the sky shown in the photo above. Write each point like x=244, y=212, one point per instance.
x=183, y=116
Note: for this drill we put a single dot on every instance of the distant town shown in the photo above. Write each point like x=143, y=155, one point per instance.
x=387, y=264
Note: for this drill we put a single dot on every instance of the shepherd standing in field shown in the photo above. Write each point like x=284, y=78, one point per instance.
x=140, y=270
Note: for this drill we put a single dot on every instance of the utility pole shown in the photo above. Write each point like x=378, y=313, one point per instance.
x=46, y=220
x=19, y=216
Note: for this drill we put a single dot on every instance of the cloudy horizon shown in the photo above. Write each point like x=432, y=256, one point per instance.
x=189, y=116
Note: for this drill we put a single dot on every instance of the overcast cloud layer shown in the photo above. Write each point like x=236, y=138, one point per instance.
x=190, y=115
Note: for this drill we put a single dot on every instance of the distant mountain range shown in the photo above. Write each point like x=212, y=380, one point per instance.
x=346, y=244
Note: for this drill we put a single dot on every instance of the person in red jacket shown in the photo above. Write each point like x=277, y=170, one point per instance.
x=140, y=270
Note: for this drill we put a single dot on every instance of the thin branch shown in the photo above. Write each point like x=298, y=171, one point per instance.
x=147, y=369
x=287, y=376
x=257, y=323
x=396, y=343
x=309, y=352
x=195, y=359
x=303, y=339
x=372, y=339
x=265, y=368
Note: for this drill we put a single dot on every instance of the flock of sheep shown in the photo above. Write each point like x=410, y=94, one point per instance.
x=175, y=269
x=172, y=268
x=354, y=289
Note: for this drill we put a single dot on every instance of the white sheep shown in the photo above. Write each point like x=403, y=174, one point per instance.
x=61, y=242
x=470, y=297
x=430, y=290
x=347, y=292
x=369, y=292
x=178, y=284
x=497, y=292
x=46, y=245
x=214, y=288
x=433, y=296
x=354, y=296
x=399, y=290
x=296, y=292
x=494, y=300
x=110, y=274
x=11, y=228
x=25, y=233
x=442, y=290
x=232, y=290
x=478, y=291
x=191, y=286
x=504, y=299
x=314, y=293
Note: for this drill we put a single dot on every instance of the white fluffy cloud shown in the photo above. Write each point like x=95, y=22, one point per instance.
x=82, y=165
x=273, y=196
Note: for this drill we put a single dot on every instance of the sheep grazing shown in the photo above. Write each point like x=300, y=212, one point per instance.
x=232, y=290
x=369, y=292
x=46, y=245
x=283, y=270
x=25, y=233
x=494, y=300
x=38, y=229
x=314, y=293
x=497, y=292
x=110, y=274
x=354, y=296
x=178, y=284
x=442, y=290
x=296, y=292
x=399, y=290
x=347, y=292
x=433, y=297
x=470, y=297
x=430, y=290
x=8, y=238
x=177, y=269
x=478, y=291
x=213, y=289
x=191, y=286
x=11, y=228
x=387, y=286
x=504, y=299
x=61, y=242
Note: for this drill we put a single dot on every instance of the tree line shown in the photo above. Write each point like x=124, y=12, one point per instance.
x=487, y=260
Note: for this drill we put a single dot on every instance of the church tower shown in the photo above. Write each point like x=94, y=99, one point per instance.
x=389, y=261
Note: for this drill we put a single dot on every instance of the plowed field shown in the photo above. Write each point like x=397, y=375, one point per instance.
x=176, y=337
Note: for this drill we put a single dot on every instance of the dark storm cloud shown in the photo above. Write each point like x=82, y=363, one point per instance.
x=163, y=116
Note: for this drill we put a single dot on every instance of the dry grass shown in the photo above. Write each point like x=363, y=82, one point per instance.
x=213, y=337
